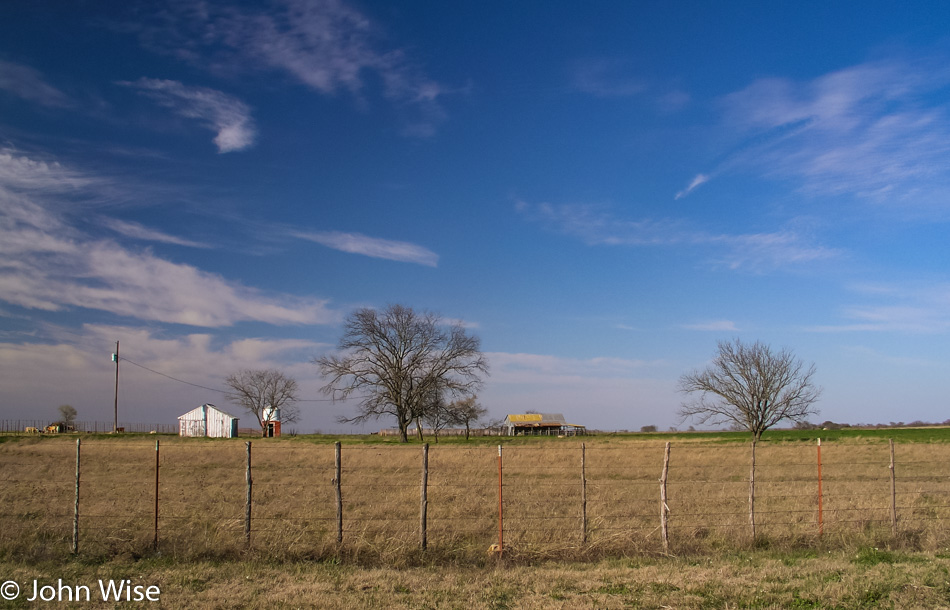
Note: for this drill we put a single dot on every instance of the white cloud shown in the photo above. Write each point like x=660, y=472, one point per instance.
x=29, y=84
x=229, y=117
x=871, y=130
x=327, y=45
x=507, y=368
x=606, y=78
x=79, y=363
x=138, y=231
x=50, y=265
x=713, y=325
x=596, y=226
x=601, y=393
x=900, y=307
x=697, y=181
x=357, y=243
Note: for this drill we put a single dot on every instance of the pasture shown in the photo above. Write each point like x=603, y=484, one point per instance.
x=580, y=519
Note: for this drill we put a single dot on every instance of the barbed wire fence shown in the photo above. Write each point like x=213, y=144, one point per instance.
x=212, y=498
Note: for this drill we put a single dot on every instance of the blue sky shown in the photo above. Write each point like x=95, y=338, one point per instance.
x=599, y=193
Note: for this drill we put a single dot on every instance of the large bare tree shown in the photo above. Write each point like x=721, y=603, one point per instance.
x=752, y=388
x=397, y=359
x=262, y=391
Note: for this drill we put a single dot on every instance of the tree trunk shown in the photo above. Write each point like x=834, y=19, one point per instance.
x=466, y=430
x=752, y=491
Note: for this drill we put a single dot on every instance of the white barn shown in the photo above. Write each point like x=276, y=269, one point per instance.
x=208, y=420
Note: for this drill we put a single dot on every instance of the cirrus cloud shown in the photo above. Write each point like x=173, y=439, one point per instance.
x=227, y=116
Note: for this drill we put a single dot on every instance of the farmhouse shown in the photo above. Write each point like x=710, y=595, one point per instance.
x=208, y=420
x=541, y=424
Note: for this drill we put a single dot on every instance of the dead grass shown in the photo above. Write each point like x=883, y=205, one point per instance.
x=202, y=500
x=862, y=578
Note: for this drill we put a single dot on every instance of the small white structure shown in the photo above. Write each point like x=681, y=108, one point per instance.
x=208, y=420
x=270, y=420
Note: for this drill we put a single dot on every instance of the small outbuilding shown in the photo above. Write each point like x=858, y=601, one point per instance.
x=270, y=421
x=208, y=420
x=541, y=424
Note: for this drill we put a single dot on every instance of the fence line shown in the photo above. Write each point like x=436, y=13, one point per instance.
x=34, y=426
x=195, y=490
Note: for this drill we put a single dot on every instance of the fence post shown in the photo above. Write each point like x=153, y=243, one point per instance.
x=339, y=492
x=821, y=517
x=664, y=507
x=247, y=501
x=76, y=504
x=501, y=514
x=893, y=492
x=584, y=493
x=155, y=541
x=424, y=501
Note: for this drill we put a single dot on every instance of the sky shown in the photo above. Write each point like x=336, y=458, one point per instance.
x=600, y=192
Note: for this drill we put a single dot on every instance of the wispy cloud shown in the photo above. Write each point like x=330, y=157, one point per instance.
x=700, y=179
x=357, y=243
x=873, y=131
x=76, y=359
x=138, y=231
x=327, y=45
x=713, y=326
x=227, y=116
x=900, y=307
x=520, y=367
x=605, y=78
x=597, y=226
x=28, y=83
x=47, y=263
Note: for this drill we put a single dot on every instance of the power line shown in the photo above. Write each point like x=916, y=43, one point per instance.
x=141, y=366
x=196, y=385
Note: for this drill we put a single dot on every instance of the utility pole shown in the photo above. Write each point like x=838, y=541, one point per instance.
x=115, y=420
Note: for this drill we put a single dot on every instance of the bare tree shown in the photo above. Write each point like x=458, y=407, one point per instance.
x=396, y=359
x=437, y=416
x=67, y=414
x=262, y=392
x=752, y=388
x=465, y=412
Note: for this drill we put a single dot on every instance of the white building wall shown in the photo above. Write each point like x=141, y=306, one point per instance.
x=207, y=420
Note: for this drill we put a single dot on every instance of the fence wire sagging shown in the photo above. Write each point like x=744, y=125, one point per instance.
x=187, y=497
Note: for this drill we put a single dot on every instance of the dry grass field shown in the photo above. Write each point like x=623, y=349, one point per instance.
x=202, y=498
x=551, y=559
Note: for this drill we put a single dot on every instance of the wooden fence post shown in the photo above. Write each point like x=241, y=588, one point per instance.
x=501, y=513
x=893, y=492
x=247, y=500
x=584, y=493
x=664, y=507
x=424, y=501
x=821, y=517
x=155, y=541
x=76, y=504
x=339, y=491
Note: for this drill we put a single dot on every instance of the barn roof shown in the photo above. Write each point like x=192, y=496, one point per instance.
x=199, y=412
x=536, y=419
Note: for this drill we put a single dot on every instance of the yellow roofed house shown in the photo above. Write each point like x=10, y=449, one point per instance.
x=541, y=424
